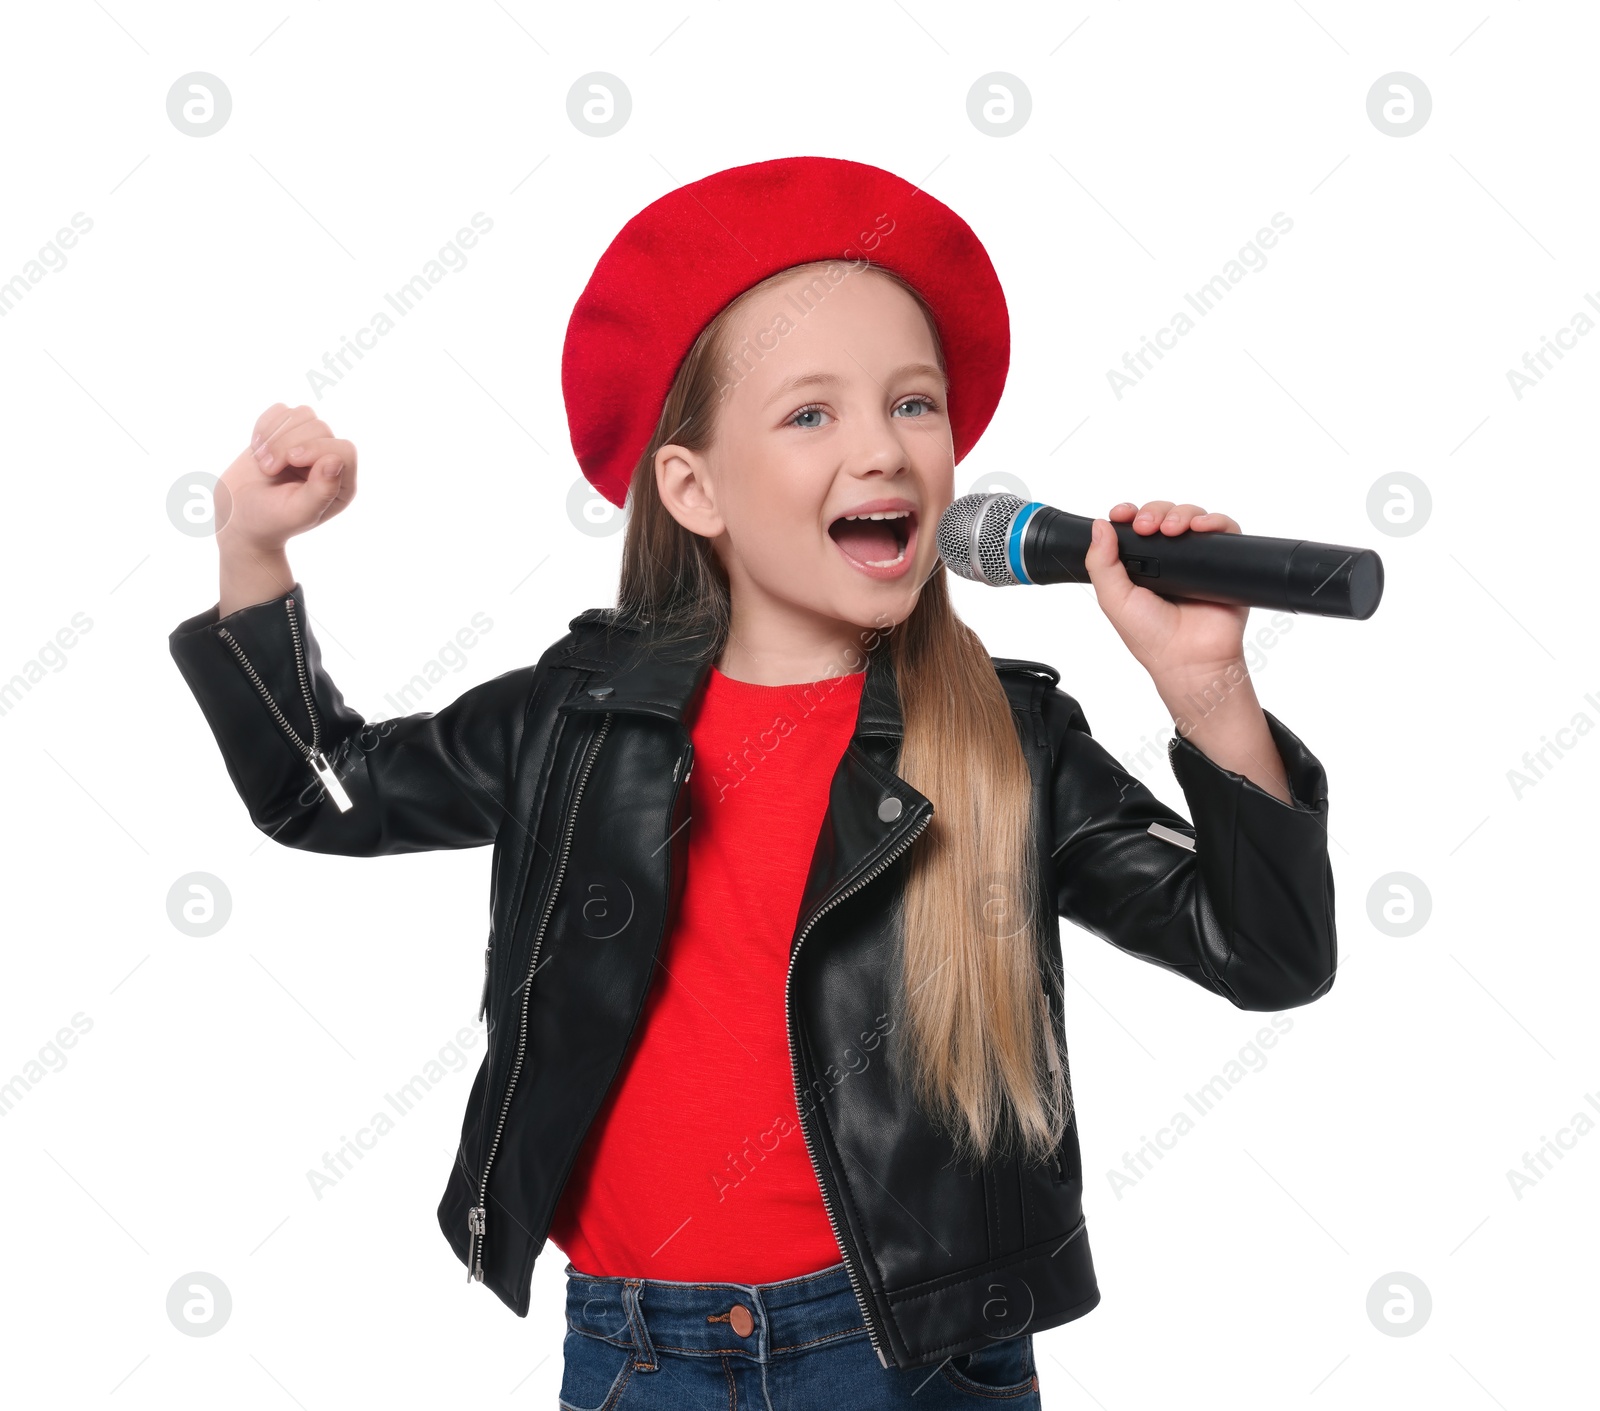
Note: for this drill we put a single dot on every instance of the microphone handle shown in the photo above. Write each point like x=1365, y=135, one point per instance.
x=1291, y=575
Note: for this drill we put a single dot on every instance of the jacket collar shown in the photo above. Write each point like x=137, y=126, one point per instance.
x=633, y=674
x=872, y=812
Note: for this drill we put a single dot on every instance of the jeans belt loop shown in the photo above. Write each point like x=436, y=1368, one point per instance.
x=644, y=1350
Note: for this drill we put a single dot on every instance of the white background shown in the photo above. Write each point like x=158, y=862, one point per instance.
x=1378, y=1136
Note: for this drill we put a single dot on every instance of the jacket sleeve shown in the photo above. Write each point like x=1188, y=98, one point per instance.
x=1247, y=912
x=415, y=782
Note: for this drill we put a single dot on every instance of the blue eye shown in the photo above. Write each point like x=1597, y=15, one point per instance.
x=920, y=400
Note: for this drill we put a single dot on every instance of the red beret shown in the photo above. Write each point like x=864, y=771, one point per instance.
x=683, y=258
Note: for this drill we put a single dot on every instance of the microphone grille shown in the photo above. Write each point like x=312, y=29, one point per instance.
x=972, y=537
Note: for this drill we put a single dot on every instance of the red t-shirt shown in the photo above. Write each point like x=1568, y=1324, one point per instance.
x=695, y=1167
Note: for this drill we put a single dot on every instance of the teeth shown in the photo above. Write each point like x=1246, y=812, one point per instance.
x=882, y=514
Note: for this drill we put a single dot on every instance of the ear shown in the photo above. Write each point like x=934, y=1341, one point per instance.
x=683, y=481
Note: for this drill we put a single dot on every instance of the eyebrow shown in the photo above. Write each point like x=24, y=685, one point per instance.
x=822, y=379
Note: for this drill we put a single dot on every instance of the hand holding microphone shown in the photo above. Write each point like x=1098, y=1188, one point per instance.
x=1177, y=583
x=1000, y=539
x=1167, y=637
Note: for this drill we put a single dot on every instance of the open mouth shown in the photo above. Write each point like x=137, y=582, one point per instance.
x=878, y=542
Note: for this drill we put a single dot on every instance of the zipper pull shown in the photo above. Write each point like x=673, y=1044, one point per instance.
x=483, y=1003
x=330, y=781
x=475, y=1226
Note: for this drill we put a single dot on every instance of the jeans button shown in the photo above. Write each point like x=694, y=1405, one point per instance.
x=740, y=1320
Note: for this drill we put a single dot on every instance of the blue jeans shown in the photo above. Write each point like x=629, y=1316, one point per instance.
x=797, y=1345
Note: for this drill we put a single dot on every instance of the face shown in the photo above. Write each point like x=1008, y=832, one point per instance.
x=835, y=411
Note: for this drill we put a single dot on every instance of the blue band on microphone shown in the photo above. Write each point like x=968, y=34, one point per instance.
x=1014, y=540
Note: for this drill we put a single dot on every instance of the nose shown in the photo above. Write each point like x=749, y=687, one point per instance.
x=875, y=448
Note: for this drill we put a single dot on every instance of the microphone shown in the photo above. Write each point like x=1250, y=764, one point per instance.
x=1000, y=539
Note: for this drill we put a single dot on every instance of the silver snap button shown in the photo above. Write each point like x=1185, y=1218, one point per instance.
x=598, y=692
x=889, y=810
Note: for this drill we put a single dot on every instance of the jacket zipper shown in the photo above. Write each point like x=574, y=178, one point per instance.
x=488, y=950
x=477, y=1216
x=313, y=753
x=684, y=759
x=845, y=1248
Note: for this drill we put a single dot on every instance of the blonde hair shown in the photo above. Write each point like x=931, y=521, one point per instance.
x=982, y=1055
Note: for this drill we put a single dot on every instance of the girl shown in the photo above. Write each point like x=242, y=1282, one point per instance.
x=776, y=1051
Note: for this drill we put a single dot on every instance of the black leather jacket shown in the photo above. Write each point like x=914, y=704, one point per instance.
x=574, y=769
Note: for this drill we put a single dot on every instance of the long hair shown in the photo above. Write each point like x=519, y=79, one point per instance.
x=972, y=1007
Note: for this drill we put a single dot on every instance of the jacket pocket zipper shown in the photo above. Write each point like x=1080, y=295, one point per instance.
x=478, y=1215
x=1057, y=1060
x=313, y=753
